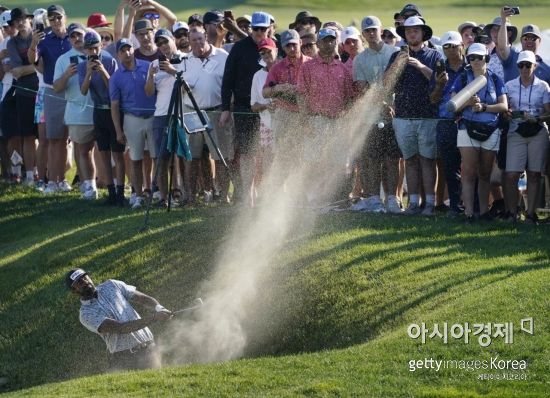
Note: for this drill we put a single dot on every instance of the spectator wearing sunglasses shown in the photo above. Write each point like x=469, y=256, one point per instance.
x=530, y=41
x=479, y=113
x=529, y=99
x=441, y=85
x=390, y=36
x=240, y=67
x=492, y=30
x=44, y=51
x=180, y=30
x=99, y=23
x=153, y=11
x=305, y=20
x=309, y=43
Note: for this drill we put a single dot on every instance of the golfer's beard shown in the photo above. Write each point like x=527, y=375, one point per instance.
x=88, y=292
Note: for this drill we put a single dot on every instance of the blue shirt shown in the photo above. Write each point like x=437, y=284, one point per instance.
x=79, y=108
x=98, y=89
x=511, y=70
x=488, y=95
x=442, y=111
x=128, y=87
x=51, y=48
x=412, y=94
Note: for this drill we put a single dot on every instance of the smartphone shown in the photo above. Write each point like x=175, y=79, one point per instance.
x=517, y=114
x=73, y=59
x=515, y=10
x=93, y=57
x=439, y=67
x=39, y=27
x=162, y=58
x=228, y=14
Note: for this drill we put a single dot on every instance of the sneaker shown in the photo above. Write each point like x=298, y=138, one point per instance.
x=132, y=200
x=442, y=208
x=29, y=183
x=429, y=210
x=163, y=204
x=40, y=186
x=531, y=220
x=51, y=188
x=138, y=203
x=393, y=205
x=82, y=187
x=64, y=186
x=413, y=209
x=156, y=195
x=373, y=204
x=90, y=193
x=208, y=197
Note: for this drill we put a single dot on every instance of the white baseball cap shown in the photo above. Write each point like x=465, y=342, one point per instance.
x=350, y=32
x=477, y=49
x=5, y=18
x=179, y=25
x=527, y=56
x=451, y=37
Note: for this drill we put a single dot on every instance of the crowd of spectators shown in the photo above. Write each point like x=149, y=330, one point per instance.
x=101, y=94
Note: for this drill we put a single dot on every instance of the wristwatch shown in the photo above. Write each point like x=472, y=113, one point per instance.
x=483, y=107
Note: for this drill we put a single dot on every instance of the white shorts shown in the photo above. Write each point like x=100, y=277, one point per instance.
x=139, y=135
x=463, y=140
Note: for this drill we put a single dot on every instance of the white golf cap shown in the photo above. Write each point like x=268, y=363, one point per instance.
x=179, y=25
x=370, y=22
x=39, y=12
x=5, y=18
x=350, y=32
x=527, y=56
x=477, y=49
x=451, y=37
x=467, y=24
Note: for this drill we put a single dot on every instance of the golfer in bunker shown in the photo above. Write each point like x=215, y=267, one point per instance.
x=107, y=310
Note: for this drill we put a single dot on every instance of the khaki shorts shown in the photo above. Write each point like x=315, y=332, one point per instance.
x=81, y=134
x=527, y=153
x=139, y=136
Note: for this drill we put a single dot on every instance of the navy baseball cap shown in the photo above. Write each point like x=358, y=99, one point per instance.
x=165, y=33
x=92, y=39
x=55, y=9
x=214, y=17
x=122, y=43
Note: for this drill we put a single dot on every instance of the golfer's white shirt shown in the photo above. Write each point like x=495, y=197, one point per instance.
x=113, y=303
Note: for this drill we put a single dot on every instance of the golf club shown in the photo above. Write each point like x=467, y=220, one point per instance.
x=195, y=305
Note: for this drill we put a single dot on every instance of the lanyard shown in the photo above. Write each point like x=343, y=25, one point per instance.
x=530, y=92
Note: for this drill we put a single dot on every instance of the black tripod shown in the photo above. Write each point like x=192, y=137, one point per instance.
x=177, y=115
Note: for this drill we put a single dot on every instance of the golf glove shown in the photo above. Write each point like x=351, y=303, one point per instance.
x=160, y=308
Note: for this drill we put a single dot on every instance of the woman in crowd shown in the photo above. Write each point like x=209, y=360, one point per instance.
x=478, y=136
x=528, y=135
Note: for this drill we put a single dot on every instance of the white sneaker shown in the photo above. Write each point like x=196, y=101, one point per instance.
x=132, y=199
x=373, y=204
x=393, y=205
x=64, y=186
x=156, y=195
x=51, y=188
x=208, y=196
x=138, y=203
x=90, y=193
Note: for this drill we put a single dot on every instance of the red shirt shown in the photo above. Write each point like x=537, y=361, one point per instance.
x=286, y=72
x=326, y=87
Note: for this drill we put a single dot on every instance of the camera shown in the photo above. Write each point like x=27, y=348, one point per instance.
x=39, y=27
x=162, y=58
x=515, y=10
x=73, y=59
x=177, y=59
x=93, y=57
x=517, y=114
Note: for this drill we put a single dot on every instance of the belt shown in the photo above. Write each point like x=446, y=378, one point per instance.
x=141, y=116
x=135, y=349
x=214, y=108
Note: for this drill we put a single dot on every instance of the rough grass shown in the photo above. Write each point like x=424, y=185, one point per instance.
x=335, y=309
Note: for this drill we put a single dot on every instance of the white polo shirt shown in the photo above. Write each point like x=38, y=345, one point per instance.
x=532, y=99
x=205, y=78
x=112, y=302
x=164, y=83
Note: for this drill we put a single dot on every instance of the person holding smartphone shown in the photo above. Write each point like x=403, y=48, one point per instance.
x=527, y=145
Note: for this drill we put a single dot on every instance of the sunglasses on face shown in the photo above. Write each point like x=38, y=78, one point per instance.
x=259, y=28
x=76, y=35
x=151, y=15
x=161, y=43
x=448, y=46
x=56, y=18
x=527, y=65
x=180, y=34
x=387, y=36
x=530, y=38
x=106, y=38
x=475, y=57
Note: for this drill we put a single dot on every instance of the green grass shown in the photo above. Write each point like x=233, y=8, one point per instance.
x=335, y=309
x=441, y=15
